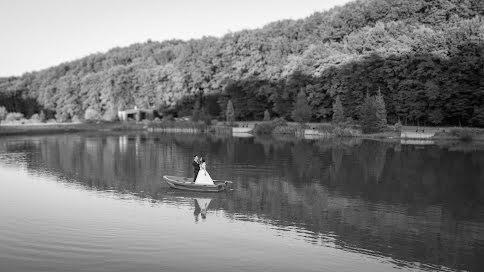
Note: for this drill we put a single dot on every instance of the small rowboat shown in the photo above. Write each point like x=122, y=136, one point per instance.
x=187, y=184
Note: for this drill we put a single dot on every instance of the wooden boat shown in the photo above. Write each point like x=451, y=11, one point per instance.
x=187, y=184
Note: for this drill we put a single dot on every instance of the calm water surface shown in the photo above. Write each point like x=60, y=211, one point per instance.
x=95, y=202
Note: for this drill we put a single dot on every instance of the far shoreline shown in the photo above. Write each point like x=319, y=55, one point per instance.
x=53, y=128
x=48, y=128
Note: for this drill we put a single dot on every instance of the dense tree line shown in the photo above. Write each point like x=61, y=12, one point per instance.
x=424, y=56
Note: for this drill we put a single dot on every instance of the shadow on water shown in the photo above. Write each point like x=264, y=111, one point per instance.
x=413, y=203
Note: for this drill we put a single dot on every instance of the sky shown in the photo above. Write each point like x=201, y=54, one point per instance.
x=37, y=34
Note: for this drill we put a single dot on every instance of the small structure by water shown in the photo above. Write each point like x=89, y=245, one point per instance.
x=136, y=114
x=417, y=135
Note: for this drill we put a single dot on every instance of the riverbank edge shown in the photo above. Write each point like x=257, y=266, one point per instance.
x=48, y=128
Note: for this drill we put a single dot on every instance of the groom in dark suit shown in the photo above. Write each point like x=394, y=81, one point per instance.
x=196, y=167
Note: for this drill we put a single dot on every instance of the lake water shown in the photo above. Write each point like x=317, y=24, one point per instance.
x=96, y=202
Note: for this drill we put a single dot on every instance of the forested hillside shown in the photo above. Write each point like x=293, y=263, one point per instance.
x=426, y=58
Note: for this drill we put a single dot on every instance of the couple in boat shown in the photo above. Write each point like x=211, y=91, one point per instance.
x=200, y=174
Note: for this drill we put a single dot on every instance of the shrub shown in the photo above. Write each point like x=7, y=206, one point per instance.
x=75, y=119
x=345, y=132
x=110, y=115
x=14, y=116
x=279, y=122
x=285, y=130
x=207, y=120
x=325, y=128
x=264, y=128
x=35, y=118
x=464, y=134
x=61, y=117
x=268, y=127
x=168, y=117
x=91, y=115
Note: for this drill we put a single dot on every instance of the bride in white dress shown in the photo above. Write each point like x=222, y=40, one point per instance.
x=203, y=177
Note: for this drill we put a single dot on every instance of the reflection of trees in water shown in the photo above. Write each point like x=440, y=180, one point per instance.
x=101, y=161
x=373, y=156
x=419, y=204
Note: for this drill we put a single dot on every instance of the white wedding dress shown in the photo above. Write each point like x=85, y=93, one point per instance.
x=203, y=177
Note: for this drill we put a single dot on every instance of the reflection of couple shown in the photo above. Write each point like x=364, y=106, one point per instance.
x=201, y=206
x=200, y=174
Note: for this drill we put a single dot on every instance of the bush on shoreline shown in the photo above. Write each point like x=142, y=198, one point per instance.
x=280, y=127
x=266, y=128
x=92, y=115
x=287, y=130
x=346, y=132
x=14, y=116
x=462, y=134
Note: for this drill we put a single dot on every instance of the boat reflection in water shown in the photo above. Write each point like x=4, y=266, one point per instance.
x=201, y=207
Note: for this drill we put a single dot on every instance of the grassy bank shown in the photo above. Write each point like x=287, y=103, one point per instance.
x=279, y=127
x=276, y=127
x=461, y=134
x=46, y=128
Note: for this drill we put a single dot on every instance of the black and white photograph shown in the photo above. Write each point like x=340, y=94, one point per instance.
x=255, y=135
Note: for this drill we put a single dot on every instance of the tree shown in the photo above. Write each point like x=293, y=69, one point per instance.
x=381, y=112
x=368, y=115
x=3, y=113
x=91, y=115
x=42, y=116
x=338, y=112
x=302, y=111
x=196, y=111
x=230, y=113
x=267, y=115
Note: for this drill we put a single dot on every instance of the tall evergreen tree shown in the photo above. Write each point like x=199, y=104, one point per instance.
x=302, y=111
x=196, y=111
x=381, y=112
x=368, y=115
x=267, y=115
x=338, y=111
x=42, y=116
x=230, y=113
x=3, y=113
